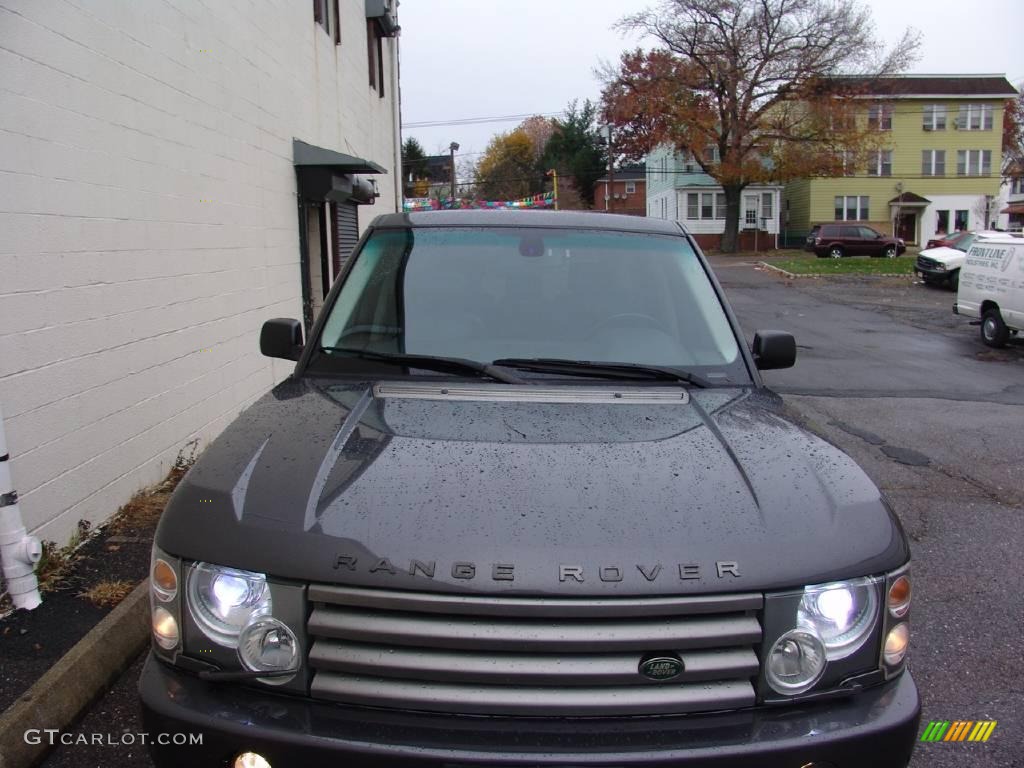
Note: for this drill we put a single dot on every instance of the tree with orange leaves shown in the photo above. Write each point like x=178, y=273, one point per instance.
x=1013, y=136
x=758, y=81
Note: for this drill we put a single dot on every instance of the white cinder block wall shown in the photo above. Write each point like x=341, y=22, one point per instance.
x=148, y=223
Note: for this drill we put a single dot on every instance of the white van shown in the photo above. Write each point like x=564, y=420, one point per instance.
x=992, y=288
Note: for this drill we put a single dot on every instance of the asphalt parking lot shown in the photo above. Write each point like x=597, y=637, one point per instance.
x=887, y=372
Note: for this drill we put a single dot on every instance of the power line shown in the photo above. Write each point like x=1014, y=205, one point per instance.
x=479, y=120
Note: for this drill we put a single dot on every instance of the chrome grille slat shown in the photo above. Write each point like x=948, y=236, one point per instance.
x=535, y=701
x=521, y=656
x=520, y=668
x=423, y=602
x=509, y=634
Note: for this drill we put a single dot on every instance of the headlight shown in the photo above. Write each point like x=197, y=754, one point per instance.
x=795, y=662
x=842, y=614
x=165, y=628
x=163, y=581
x=896, y=644
x=268, y=645
x=223, y=600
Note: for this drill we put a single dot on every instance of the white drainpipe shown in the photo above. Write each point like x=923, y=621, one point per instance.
x=19, y=552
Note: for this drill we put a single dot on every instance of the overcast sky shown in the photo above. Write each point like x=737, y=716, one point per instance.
x=487, y=58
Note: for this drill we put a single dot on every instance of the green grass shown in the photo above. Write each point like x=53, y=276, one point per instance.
x=810, y=264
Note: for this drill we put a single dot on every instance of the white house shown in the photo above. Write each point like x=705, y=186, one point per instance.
x=174, y=173
x=678, y=189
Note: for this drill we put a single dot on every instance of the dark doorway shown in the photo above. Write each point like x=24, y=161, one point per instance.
x=906, y=227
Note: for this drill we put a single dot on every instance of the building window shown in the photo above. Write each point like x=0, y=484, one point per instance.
x=630, y=187
x=974, y=117
x=961, y=221
x=767, y=205
x=1017, y=185
x=325, y=13
x=880, y=117
x=973, y=162
x=942, y=222
x=371, y=51
x=848, y=158
x=852, y=208
x=934, y=117
x=375, y=56
x=707, y=205
x=880, y=163
x=933, y=162
x=711, y=155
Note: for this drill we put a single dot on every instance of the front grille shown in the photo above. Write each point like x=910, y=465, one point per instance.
x=530, y=657
x=923, y=262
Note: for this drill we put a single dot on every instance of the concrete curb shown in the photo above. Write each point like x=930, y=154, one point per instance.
x=73, y=683
x=869, y=275
x=781, y=271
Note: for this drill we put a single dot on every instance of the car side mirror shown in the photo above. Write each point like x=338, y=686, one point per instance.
x=774, y=349
x=281, y=337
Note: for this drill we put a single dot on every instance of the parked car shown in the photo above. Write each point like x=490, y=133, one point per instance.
x=948, y=240
x=992, y=287
x=941, y=265
x=838, y=240
x=526, y=500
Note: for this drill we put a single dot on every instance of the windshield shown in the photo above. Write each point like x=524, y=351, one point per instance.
x=487, y=294
x=963, y=241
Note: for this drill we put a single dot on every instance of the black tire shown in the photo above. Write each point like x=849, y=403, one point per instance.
x=835, y=252
x=954, y=279
x=994, y=332
x=890, y=252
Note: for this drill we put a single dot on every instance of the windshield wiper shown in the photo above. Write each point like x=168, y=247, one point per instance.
x=601, y=369
x=433, y=363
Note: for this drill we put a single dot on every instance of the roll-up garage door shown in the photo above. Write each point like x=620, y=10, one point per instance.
x=346, y=233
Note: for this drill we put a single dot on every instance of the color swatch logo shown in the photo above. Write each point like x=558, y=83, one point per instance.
x=958, y=730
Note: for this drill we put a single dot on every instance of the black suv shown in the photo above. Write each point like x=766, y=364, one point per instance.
x=525, y=501
x=838, y=240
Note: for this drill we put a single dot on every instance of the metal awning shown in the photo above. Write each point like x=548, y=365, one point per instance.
x=324, y=174
x=307, y=155
x=1014, y=208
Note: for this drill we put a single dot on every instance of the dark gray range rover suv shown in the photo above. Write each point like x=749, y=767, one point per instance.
x=525, y=501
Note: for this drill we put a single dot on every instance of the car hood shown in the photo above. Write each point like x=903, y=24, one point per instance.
x=943, y=254
x=563, y=490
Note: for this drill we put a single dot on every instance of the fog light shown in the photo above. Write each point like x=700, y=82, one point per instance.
x=896, y=643
x=795, y=662
x=165, y=628
x=899, y=597
x=164, y=581
x=250, y=760
x=268, y=645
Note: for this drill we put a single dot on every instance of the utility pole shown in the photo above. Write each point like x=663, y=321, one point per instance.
x=453, y=147
x=611, y=172
x=554, y=174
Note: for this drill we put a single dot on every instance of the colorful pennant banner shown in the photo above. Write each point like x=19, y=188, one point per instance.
x=543, y=200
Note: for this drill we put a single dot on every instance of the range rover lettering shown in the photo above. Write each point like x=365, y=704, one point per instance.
x=526, y=501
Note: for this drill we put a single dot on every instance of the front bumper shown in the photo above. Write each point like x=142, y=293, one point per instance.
x=877, y=727
x=931, y=273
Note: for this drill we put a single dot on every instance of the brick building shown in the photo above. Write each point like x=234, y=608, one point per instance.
x=159, y=161
x=627, y=193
